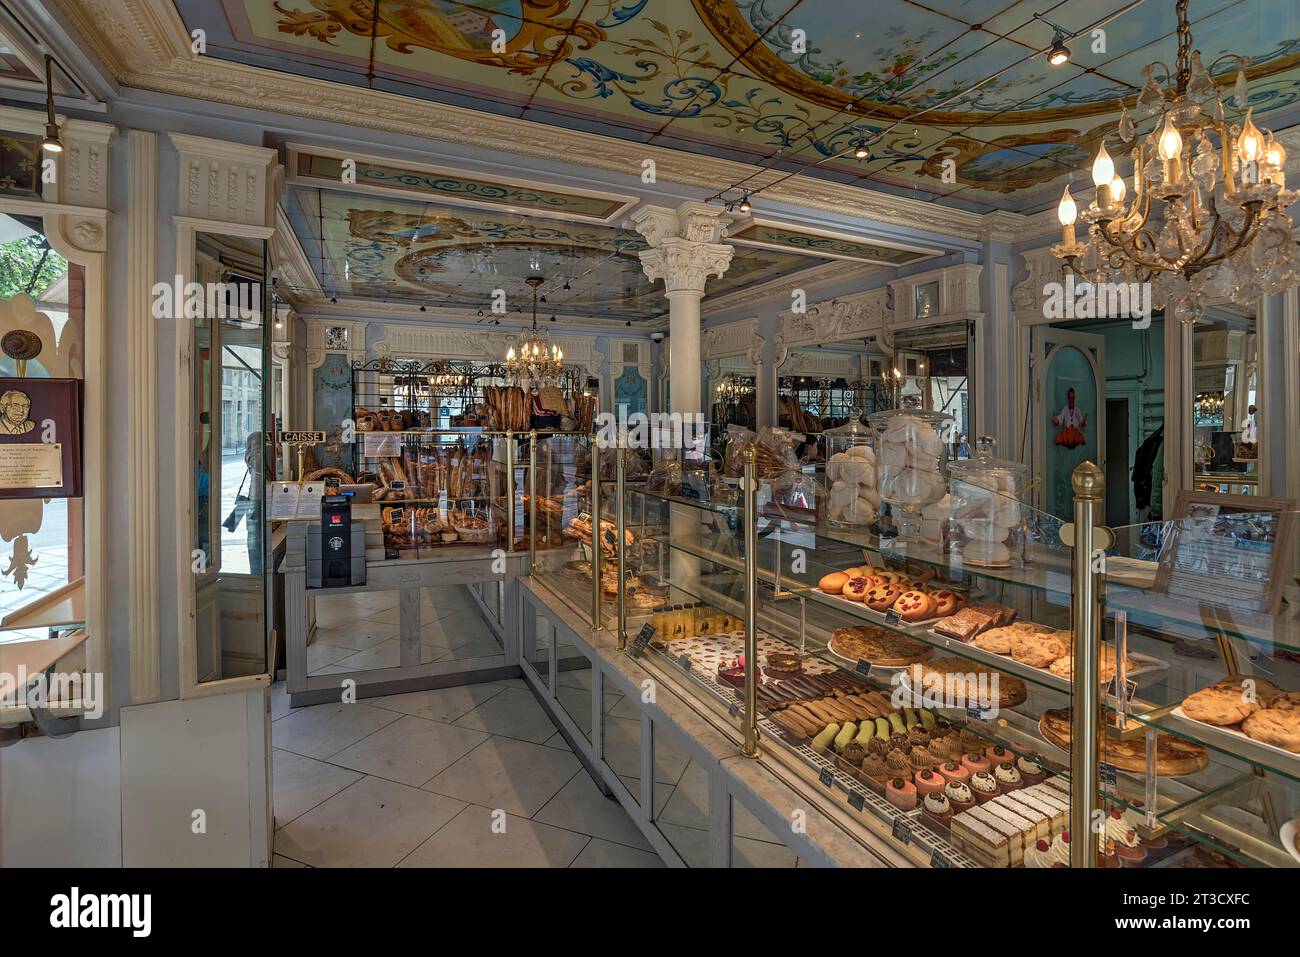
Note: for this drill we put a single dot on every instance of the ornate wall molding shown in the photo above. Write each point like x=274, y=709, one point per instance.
x=959, y=296
x=835, y=320
x=142, y=416
x=827, y=274
x=739, y=338
x=1027, y=296
x=229, y=182
x=326, y=336
x=146, y=46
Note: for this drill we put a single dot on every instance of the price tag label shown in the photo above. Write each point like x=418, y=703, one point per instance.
x=893, y=618
x=938, y=860
x=856, y=800
x=332, y=484
x=685, y=662
x=399, y=516
x=976, y=713
x=1130, y=689
x=734, y=710
x=398, y=486
x=902, y=831
x=641, y=640
x=863, y=666
x=1108, y=775
x=826, y=777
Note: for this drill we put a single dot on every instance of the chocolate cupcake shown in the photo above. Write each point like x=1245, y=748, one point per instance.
x=917, y=734
x=853, y=755
x=874, y=773
x=878, y=746
x=921, y=759
x=897, y=764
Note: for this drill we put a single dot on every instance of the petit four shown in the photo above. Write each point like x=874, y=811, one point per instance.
x=959, y=795
x=975, y=762
x=937, y=809
x=929, y=781
x=901, y=793
x=1008, y=777
x=984, y=786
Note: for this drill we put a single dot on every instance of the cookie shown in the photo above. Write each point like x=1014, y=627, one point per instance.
x=882, y=597
x=914, y=606
x=833, y=583
x=1279, y=727
x=997, y=640
x=1220, y=704
x=1035, y=650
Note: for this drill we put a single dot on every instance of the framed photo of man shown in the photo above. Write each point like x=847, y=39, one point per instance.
x=40, y=438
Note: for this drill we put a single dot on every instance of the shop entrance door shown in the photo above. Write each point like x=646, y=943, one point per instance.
x=1069, y=412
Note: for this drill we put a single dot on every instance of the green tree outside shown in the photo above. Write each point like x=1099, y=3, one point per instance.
x=19, y=261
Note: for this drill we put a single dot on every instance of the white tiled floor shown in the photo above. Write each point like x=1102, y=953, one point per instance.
x=476, y=776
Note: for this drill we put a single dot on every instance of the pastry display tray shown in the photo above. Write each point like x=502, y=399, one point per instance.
x=876, y=615
x=828, y=775
x=1238, y=743
x=1148, y=665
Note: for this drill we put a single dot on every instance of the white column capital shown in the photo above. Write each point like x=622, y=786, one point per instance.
x=684, y=265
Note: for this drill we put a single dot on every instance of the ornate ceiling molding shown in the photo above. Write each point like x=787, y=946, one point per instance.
x=295, y=279
x=145, y=45
x=827, y=274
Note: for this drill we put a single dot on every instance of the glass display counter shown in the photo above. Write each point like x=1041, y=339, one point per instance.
x=934, y=699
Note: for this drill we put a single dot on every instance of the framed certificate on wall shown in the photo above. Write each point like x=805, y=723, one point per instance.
x=40, y=438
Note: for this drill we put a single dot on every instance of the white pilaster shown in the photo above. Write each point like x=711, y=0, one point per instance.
x=684, y=252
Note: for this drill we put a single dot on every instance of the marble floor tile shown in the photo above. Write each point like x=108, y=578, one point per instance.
x=439, y=704
x=515, y=776
x=373, y=823
x=600, y=853
x=580, y=806
x=326, y=729
x=471, y=840
x=298, y=784
x=386, y=654
x=514, y=713
x=410, y=750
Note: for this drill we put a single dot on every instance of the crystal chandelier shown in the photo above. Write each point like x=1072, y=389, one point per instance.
x=533, y=361
x=1207, y=220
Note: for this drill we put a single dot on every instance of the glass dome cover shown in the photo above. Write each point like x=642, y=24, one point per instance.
x=911, y=448
x=986, y=518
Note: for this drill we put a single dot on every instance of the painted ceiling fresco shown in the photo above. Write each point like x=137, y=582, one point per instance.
x=721, y=76
x=401, y=251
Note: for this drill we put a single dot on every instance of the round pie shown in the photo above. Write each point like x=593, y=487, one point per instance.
x=1279, y=727
x=1174, y=756
x=1036, y=650
x=882, y=597
x=963, y=676
x=1221, y=704
x=880, y=646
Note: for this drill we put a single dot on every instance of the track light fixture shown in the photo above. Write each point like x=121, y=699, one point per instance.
x=860, y=151
x=566, y=285
x=422, y=309
x=1059, y=54
x=744, y=203
x=51, y=143
x=334, y=299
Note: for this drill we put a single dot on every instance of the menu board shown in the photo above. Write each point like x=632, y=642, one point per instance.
x=1229, y=549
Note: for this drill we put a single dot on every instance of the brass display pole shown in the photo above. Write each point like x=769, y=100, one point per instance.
x=595, y=533
x=532, y=501
x=1085, y=609
x=510, y=491
x=620, y=490
x=750, y=747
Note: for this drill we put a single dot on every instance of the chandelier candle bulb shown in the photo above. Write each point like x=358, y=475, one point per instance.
x=1067, y=212
x=1103, y=173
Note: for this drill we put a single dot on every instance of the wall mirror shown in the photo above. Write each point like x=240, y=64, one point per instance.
x=1225, y=383
x=231, y=416
x=932, y=371
x=819, y=388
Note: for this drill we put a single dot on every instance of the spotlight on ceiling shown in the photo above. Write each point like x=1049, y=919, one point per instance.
x=334, y=299
x=744, y=204
x=628, y=323
x=422, y=309
x=1058, y=54
x=51, y=143
x=566, y=284
x=860, y=151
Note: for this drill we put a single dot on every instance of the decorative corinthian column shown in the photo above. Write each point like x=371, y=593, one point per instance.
x=684, y=252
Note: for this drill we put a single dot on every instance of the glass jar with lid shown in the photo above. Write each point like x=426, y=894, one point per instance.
x=986, y=518
x=911, y=458
x=852, y=498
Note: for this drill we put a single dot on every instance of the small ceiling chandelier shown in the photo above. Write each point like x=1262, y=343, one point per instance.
x=1206, y=220
x=533, y=361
